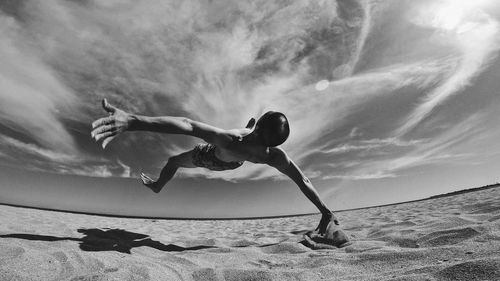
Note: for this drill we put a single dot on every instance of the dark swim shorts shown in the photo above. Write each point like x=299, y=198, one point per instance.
x=204, y=156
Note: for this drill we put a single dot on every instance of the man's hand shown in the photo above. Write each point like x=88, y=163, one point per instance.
x=326, y=218
x=250, y=124
x=107, y=128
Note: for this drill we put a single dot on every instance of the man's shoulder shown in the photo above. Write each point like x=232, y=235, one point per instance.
x=276, y=157
x=276, y=151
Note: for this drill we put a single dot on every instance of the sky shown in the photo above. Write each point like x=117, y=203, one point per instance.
x=388, y=101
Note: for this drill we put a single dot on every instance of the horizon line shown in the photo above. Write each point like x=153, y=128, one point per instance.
x=452, y=193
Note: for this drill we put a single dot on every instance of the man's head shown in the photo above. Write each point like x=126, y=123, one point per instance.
x=272, y=128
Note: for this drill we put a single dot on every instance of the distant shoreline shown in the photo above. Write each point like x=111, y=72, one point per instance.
x=453, y=193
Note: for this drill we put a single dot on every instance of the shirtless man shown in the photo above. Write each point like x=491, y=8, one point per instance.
x=224, y=149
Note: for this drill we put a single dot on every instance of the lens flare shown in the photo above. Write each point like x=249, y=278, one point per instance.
x=322, y=85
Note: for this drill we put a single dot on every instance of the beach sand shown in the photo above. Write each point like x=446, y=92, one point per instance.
x=449, y=238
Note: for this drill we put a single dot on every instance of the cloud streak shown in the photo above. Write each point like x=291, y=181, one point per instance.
x=31, y=95
x=477, y=42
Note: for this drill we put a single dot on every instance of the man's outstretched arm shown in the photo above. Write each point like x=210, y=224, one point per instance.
x=119, y=121
x=280, y=160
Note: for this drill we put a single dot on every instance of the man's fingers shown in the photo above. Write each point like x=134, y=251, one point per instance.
x=107, y=106
x=250, y=123
x=99, y=137
x=102, y=129
x=102, y=121
x=106, y=141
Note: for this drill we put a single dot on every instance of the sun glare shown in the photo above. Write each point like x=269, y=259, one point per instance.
x=451, y=15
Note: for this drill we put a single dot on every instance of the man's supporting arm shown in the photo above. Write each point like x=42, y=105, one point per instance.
x=284, y=164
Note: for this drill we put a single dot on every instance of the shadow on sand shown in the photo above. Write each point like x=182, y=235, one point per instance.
x=109, y=240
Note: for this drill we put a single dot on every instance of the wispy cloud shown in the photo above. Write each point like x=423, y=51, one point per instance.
x=31, y=95
x=32, y=149
x=31, y=156
x=441, y=150
x=475, y=34
x=370, y=144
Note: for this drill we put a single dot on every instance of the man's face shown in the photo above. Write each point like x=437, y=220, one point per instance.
x=256, y=134
x=259, y=122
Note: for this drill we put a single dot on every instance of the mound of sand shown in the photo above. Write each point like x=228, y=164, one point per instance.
x=449, y=238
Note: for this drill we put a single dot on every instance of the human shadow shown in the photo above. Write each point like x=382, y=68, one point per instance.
x=118, y=240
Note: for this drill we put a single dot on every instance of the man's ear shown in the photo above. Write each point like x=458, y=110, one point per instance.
x=251, y=123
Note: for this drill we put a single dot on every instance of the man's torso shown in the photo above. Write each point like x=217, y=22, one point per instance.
x=232, y=147
x=242, y=152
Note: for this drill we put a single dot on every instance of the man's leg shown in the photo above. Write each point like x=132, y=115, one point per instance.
x=183, y=160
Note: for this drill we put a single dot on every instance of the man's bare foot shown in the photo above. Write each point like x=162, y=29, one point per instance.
x=150, y=183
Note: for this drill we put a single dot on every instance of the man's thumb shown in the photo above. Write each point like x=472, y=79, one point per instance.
x=250, y=123
x=108, y=107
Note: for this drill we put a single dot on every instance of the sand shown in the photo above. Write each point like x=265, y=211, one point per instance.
x=450, y=238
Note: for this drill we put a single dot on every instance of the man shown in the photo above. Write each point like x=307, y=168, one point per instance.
x=224, y=149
